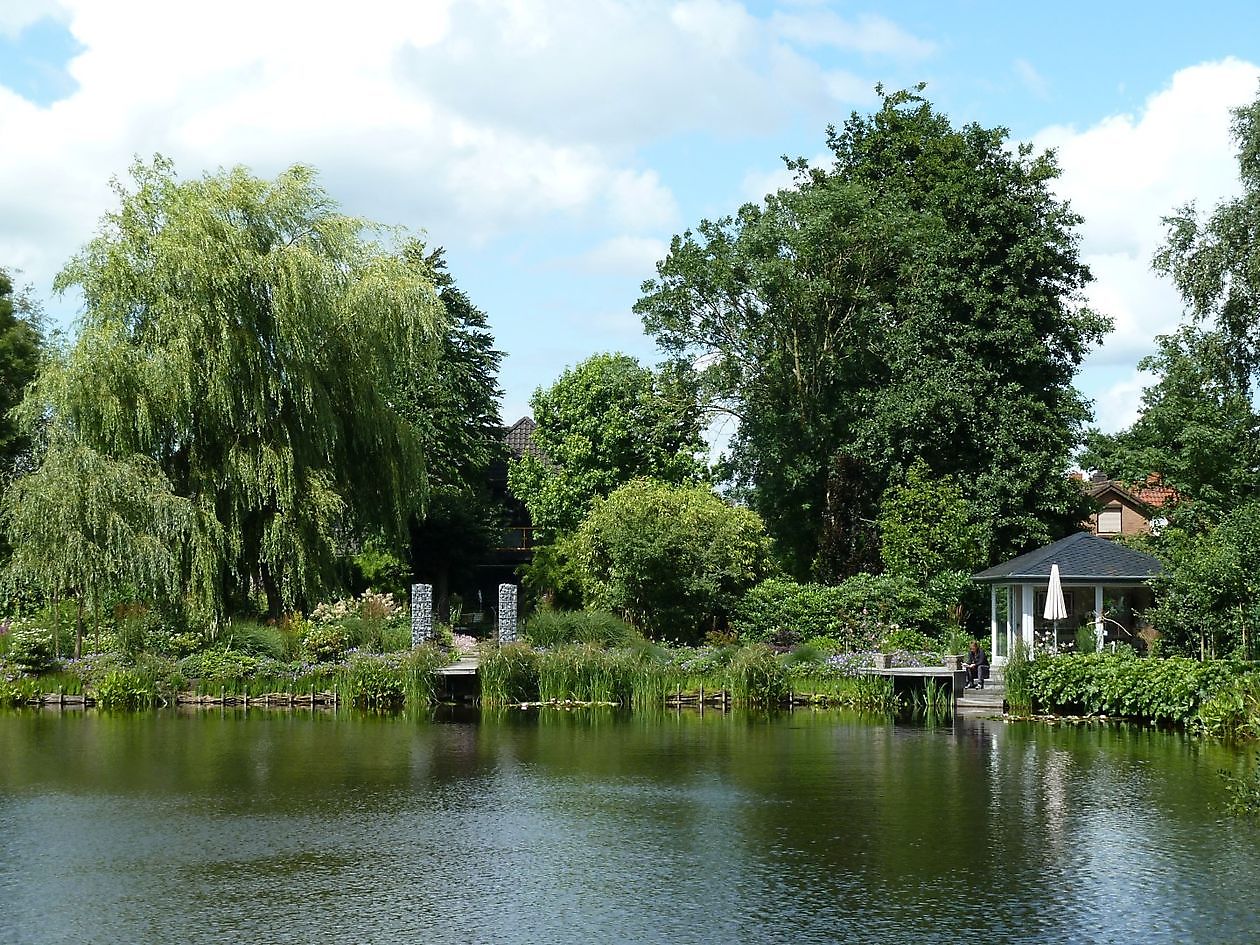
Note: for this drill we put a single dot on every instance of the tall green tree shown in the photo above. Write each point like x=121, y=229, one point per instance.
x=919, y=298
x=453, y=399
x=244, y=336
x=600, y=425
x=1214, y=259
x=1198, y=429
x=86, y=526
x=21, y=341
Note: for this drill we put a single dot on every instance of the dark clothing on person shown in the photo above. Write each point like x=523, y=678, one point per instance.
x=976, y=664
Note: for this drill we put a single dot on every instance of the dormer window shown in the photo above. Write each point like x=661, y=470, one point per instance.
x=1109, y=520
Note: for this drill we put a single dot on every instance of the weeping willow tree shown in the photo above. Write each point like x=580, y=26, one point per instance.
x=244, y=336
x=86, y=525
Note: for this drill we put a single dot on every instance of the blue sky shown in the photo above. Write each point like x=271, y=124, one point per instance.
x=554, y=146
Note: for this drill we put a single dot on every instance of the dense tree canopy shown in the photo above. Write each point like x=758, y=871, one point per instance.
x=918, y=299
x=601, y=424
x=21, y=339
x=244, y=336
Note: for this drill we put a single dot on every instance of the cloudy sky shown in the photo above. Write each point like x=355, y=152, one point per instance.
x=554, y=146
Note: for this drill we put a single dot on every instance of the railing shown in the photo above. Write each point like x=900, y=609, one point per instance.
x=517, y=539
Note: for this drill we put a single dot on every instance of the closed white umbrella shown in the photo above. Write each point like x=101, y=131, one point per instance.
x=1056, y=609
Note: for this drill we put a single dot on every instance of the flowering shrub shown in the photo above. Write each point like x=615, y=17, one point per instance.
x=324, y=643
x=32, y=649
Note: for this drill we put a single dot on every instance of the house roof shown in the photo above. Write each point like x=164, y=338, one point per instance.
x=520, y=437
x=1081, y=557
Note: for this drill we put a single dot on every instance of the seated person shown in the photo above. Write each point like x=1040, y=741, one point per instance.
x=976, y=666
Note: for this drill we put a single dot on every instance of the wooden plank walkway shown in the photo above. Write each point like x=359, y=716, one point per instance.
x=464, y=666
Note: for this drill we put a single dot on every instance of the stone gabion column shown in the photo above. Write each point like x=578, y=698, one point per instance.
x=507, y=613
x=421, y=613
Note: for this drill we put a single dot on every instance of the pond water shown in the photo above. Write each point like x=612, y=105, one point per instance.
x=589, y=827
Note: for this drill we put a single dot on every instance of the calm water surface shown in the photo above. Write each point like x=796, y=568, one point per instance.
x=591, y=828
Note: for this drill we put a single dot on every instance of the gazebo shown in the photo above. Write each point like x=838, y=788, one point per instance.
x=1104, y=585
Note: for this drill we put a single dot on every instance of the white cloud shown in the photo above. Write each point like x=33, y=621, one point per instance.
x=1127, y=172
x=474, y=118
x=17, y=15
x=1121, y=402
x=1033, y=80
x=869, y=34
x=626, y=255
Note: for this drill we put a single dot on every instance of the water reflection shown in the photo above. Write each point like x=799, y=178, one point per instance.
x=604, y=826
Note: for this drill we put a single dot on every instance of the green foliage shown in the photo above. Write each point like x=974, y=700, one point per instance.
x=549, y=628
x=257, y=639
x=918, y=299
x=1208, y=597
x=1232, y=710
x=673, y=560
x=147, y=683
x=1243, y=793
x=236, y=360
x=601, y=424
x=1212, y=259
x=31, y=648
x=914, y=641
x=378, y=567
x=1123, y=684
x=18, y=691
x=782, y=613
x=927, y=526
x=553, y=577
x=324, y=643
x=21, y=343
x=858, y=614
x=84, y=524
x=218, y=665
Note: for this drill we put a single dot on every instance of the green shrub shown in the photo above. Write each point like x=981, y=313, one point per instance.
x=324, y=643
x=373, y=681
x=674, y=560
x=557, y=627
x=1233, y=710
x=218, y=664
x=783, y=613
x=1123, y=684
x=914, y=641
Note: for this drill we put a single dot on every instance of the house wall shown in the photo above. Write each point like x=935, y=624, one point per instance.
x=1132, y=520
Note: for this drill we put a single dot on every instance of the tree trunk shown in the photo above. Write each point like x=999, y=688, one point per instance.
x=275, y=603
x=78, y=630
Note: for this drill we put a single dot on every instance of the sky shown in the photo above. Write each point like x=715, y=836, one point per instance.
x=554, y=146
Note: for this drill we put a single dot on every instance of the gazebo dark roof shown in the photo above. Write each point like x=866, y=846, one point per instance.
x=1080, y=557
